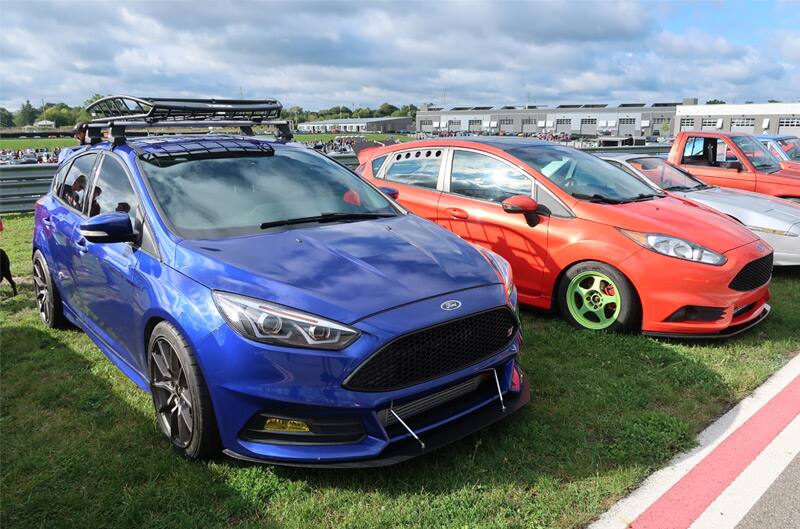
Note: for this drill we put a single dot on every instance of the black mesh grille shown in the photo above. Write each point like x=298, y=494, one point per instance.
x=753, y=275
x=434, y=352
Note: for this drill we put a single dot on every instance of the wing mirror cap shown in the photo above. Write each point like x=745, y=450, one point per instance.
x=520, y=204
x=108, y=228
x=391, y=192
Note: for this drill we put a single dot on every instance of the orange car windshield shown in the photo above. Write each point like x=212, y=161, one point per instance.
x=584, y=176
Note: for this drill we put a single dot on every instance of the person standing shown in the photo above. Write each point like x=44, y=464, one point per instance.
x=79, y=133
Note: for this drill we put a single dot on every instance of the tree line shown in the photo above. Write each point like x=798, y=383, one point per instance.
x=64, y=115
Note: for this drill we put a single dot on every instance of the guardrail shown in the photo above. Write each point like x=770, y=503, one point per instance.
x=21, y=185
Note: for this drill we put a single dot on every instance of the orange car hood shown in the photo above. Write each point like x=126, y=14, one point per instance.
x=672, y=216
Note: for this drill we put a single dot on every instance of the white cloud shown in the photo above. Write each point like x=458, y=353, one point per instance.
x=317, y=54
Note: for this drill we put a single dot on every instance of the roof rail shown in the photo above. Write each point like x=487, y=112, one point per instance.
x=122, y=112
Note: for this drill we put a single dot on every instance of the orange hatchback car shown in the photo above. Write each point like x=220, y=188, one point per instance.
x=585, y=237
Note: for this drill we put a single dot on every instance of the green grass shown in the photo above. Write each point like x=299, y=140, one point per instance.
x=36, y=143
x=80, y=447
x=52, y=143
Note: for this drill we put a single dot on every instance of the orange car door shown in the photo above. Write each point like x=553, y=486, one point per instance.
x=475, y=186
x=416, y=175
x=710, y=160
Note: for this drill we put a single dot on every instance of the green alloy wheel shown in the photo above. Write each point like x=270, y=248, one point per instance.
x=598, y=297
x=593, y=300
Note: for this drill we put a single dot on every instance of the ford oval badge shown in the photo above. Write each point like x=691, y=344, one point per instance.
x=450, y=304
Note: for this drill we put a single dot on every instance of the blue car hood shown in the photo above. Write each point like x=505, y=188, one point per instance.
x=340, y=271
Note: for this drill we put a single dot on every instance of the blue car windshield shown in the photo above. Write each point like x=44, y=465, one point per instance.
x=204, y=197
x=584, y=176
x=791, y=146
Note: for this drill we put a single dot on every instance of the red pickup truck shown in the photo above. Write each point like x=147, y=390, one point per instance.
x=737, y=160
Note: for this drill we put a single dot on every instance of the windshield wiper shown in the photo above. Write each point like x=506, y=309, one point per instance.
x=325, y=217
x=641, y=197
x=596, y=198
x=679, y=188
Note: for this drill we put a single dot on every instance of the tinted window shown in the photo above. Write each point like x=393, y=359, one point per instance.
x=479, y=176
x=582, y=175
x=376, y=165
x=73, y=189
x=58, y=180
x=419, y=168
x=694, y=151
x=113, y=191
x=215, y=197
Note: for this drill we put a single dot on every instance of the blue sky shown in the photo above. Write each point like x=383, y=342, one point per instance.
x=319, y=54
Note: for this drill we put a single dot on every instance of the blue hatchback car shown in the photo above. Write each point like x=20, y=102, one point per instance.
x=276, y=306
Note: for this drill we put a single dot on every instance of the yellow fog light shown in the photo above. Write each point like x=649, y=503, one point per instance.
x=285, y=425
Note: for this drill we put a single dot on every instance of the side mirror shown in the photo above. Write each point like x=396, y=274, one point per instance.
x=391, y=192
x=731, y=165
x=525, y=205
x=108, y=228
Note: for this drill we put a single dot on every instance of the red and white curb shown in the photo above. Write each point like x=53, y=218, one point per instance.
x=736, y=460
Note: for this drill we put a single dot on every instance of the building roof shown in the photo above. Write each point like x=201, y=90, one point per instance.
x=575, y=106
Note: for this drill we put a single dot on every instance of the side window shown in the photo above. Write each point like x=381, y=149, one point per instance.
x=377, y=163
x=725, y=152
x=694, y=152
x=113, y=192
x=58, y=179
x=416, y=168
x=479, y=176
x=73, y=189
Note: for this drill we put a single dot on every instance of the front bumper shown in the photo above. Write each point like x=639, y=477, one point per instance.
x=247, y=380
x=665, y=285
x=403, y=449
x=787, y=248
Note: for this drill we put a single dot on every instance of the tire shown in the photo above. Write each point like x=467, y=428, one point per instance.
x=598, y=297
x=180, y=395
x=48, y=300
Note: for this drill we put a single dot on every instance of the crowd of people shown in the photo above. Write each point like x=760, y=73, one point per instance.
x=340, y=144
x=27, y=156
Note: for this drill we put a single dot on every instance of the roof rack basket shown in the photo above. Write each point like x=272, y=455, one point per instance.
x=119, y=113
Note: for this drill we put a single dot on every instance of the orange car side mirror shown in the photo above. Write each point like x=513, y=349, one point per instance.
x=523, y=204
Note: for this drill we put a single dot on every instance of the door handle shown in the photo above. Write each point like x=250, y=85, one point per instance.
x=80, y=244
x=46, y=221
x=457, y=213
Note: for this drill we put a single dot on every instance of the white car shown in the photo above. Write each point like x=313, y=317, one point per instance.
x=775, y=220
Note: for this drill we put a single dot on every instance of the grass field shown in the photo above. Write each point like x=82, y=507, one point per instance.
x=52, y=143
x=80, y=447
x=36, y=143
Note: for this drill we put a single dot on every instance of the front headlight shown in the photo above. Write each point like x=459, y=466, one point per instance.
x=274, y=324
x=675, y=247
x=503, y=269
